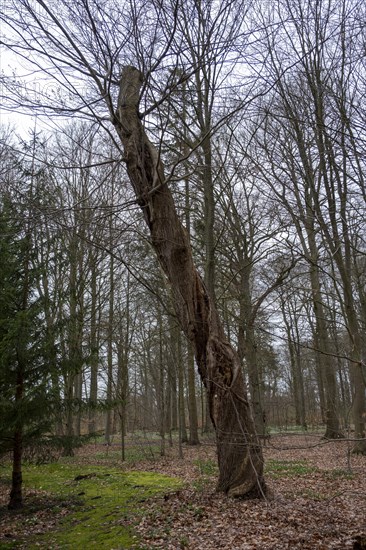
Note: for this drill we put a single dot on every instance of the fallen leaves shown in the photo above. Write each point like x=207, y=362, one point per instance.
x=318, y=502
x=42, y=514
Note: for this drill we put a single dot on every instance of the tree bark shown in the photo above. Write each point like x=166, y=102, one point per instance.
x=239, y=453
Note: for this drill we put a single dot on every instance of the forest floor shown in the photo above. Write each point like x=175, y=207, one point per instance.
x=317, y=500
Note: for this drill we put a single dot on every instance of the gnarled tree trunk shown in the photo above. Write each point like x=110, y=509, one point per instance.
x=239, y=453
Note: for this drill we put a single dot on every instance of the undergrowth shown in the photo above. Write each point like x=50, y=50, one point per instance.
x=288, y=468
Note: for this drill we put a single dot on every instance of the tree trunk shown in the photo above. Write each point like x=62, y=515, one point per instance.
x=295, y=365
x=122, y=387
x=16, y=496
x=68, y=440
x=255, y=382
x=109, y=396
x=239, y=453
x=192, y=403
x=78, y=394
x=333, y=430
x=94, y=351
x=161, y=389
x=183, y=438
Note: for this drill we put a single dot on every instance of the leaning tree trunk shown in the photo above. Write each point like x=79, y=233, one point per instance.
x=239, y=453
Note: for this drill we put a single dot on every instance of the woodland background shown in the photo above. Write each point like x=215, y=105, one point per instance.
x=258, y=114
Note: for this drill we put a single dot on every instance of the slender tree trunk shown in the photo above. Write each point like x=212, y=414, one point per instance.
x=68, y=446
x=295, y=383
x=182, y=415
x=301, y=388
x=123, y=350
x=122, y=387
x=174, y=399
x=192, y=402
x=160, y=389
x=16, y=496
x=94, y=356
x=108, y=423
x=173, y=377
x=296, y=371
x=255, y=382
x=333, y=430
x=74, y=363
x=320, y=384
x=51, y=323
x=247, y=347
x=239, y=453
x=78, y=394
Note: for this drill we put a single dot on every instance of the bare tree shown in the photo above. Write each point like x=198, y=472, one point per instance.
x=309, y=127
x=85, y=44
x=239, y=453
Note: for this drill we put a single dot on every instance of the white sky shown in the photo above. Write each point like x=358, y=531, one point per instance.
x=21, y=122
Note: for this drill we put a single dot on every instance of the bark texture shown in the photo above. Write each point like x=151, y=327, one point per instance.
x=239, y=452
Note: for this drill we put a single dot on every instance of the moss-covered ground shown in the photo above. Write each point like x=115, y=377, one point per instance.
x=92, y=504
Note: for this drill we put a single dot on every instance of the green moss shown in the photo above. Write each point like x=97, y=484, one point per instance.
x=100, y=505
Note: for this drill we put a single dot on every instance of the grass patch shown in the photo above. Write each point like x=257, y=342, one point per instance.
x=99, y=502
x=288, y=468
x=207, y=467
x=339, y=474
x=132, y=454
x=314, y=495
x=294, y=429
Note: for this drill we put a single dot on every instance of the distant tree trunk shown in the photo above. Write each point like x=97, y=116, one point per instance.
x=333, y=430
x=94, y=355
x=49, y=298
x=68, y=441
x=295, y=363
x=320, y=382
x=171, y=396
x=192, y=403
x=74, y=363
x=16, y=497
x=173, y=373
x=160, y=389
x=78, y=395
x=255, y=382
x=123, y=351
x=239, y=453
x=122, y=386
x=108, y=423
x=174, y=400
x=182, y=415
